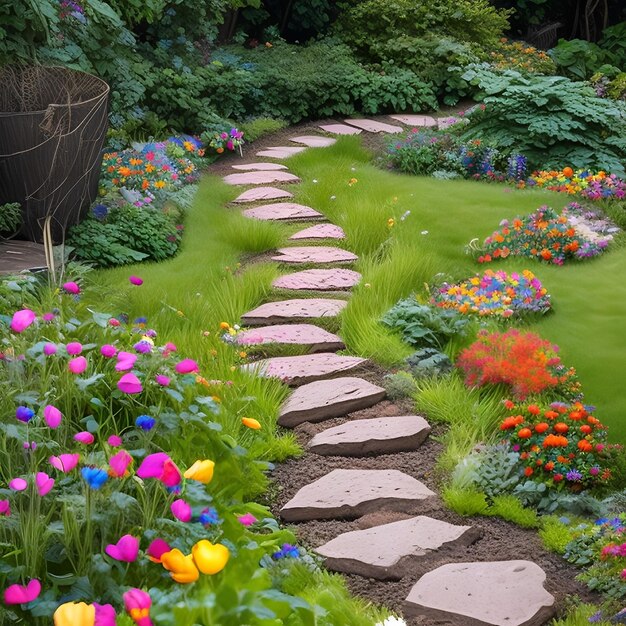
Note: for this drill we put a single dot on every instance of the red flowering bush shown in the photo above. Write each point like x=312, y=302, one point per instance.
x=522, y=360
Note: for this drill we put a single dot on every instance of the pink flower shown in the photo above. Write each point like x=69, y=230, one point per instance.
x=52, y=416
x=181, y=510
x=135, y=280
x=84, y=437
x=47, y=317
x=247, y=520
x=74, y=348
x=64, y=462
x=22, y=320
x=18, y=484
x=157, y=549
x=126, y=549
x=108, y=351
x=105, y=615
x=115, y=441
x=129, y=383
x=137, y=604
x=44, y=483
x=125, y=361
x=71, y=287
x=160, y=466
x=22, y=594
x=186, y=366
x=49, y=349
x=77, y=365
x=114, y=322
x=119, y=463
x=168, y=348
x=5, y=508
x=164, y=381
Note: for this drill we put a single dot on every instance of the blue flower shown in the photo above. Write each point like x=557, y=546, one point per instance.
x=94, y=476
x=145, y=422
x=100, y=211
x=209, y=517
x=287, y=551
x=24, y=414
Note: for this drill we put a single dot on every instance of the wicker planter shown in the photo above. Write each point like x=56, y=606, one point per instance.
x=53, y=124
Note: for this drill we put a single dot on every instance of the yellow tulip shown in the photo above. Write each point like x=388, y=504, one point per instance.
x=75, y=614
x=250, y=422
x=202, y=471
x=181, y=567
x=210, y=558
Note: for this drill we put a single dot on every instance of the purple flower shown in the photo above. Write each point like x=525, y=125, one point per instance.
x=24, y=414
x=574, y=475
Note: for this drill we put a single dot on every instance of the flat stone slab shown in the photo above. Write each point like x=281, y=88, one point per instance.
x=283, y=211
x=388, y=551
x=314, y=254
x=300, y=370
x=372, y=126
x=313, y=337
x=320, y=231
x=381, y=435
x=345, y=493
x=416, y=120
x=259, y=167
x=280, y=152
x=341, y=129
x=322, y=399
x=260, y=178
x=494, y=593
x=262, y=193
x=314, y=141
x=319, y=280
x=293, y=310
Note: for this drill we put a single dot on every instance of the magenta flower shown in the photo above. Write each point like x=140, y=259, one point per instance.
x=71, y=287
x=74, y=347
x=18, y=484
x=135, y=280
x=52, y=416
x=137, y=603
x=157, y=549
x=84, y=437
x=119, y=463
x=247, y=520
x=186, y=366
x=129, y=383
x=115, y=441
x=44, y=483
x=114, y=322
x=162, y=380
x=160, y=466
x=169, y=347
x=5, y=508
x=126, y=549
x=77, y=365
x=22, y=594
x=181, y=510
x=104, y=615
x=22, y=320
x=47, y=317
x=64, y=462
x=125, y=361
x=49, y=349
x=108, y=351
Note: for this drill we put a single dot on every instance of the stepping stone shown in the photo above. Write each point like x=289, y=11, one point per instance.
x=319, y=280
x=262, y=193
x=313, y=337
x=293, y=310
x=314, y=141
x=345, y=493
x=372, y=126
x=283, y=211
x=259, y=167
x=320, y=231
x=314, y=254
x=416, y=120
x=299, y=370
x=341, y=129
x=280, y=152
x=381, y=435
x=495, y=593
x=322, y=399
x=260, y=178
x=389, y=551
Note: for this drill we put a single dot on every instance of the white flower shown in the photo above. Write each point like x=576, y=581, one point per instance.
x=315, y=180
x=424, y=232
x=405, y=215
x=333, y=197
x=353, y=169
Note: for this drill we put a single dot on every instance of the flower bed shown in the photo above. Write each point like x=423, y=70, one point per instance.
x=583, y=183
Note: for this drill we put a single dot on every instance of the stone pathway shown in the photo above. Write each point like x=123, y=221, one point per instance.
x=498, y=593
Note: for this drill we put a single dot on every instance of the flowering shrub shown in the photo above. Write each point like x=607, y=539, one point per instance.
x=227, y=140
x=495, y=293
x=583, y=183
x=544, y=235
x=524, y=361
x=518, y=55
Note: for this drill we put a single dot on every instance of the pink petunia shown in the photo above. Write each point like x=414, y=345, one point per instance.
x=119, y=463
x=22, y=594
x=160, y=466
x=22, y=320
x=126, y=549
x=18, y=484
x=77, y=365
x=44, y=483
x=162, y=380
x=52, y=416
x=5, y=508
x=64, y=462
x=84, y=437
x=130, y=384
x=181, y=510
x=186, y=366
x=71, y=287
x=49, y=349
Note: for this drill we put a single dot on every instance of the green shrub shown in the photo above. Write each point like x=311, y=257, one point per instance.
x=511, y=509
x=399, y=385
x=429, y=363
x=465, y=502
x=577, y=58
x=554, y=534
x=260, y=126
x=10, y=217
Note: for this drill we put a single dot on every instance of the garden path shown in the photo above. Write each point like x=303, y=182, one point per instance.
x=462, y=593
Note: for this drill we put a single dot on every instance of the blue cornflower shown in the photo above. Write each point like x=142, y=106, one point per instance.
x=287, y=551
x=145, y=422
x=94, y=476
x=24, y=414
x=209, y=517
x=100, y=211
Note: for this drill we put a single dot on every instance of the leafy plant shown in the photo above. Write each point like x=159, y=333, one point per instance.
x=258, y=127
x=399, y=385
x=10, y=217
x=465, y=502
x=577, y=58
x=429, y=363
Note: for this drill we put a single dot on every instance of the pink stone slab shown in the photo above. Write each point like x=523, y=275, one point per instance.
x=380, y=435
x=322, y=399
x=347, y=493
x=391, y=551
x=319, y=280
x=260, y=178
x=300, y=370
x=309, y=336
x=280, y=152
x=341, y=129
x=262, y=193
x=494, y=593
x=293, y=311
x=416, y=120
x=259, y=167
x=314, y=141
x=283, y=211
x=372, y=126
x=320, y=231
x=314, y=254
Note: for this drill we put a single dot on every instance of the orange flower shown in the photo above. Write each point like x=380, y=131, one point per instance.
x=549, y=466
x=561, y=427
x=251, y=423
x=551, y=414
x=533, y=409
x=528, y=471
x=524, y=433
x=584, y=446
x=568, y=172
x=585, y=428
x=541, y=427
